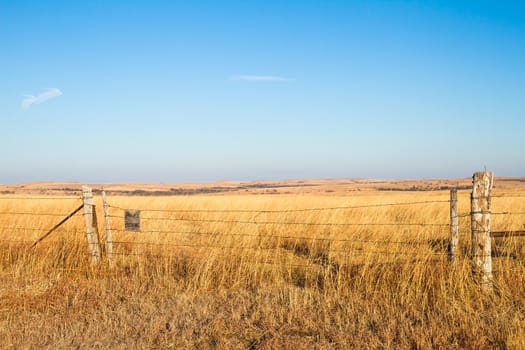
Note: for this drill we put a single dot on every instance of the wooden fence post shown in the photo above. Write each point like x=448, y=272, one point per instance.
x=91, y=227
x=480, y=226
x=109, y=236
x=454, y=227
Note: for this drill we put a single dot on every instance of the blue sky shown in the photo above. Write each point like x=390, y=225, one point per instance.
x=166, y=91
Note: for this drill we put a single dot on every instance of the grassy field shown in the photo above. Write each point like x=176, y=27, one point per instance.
x=260, y=271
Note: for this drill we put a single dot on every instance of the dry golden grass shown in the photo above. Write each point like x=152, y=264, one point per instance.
x=210, y=281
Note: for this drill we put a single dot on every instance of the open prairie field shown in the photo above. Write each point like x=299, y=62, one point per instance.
x=260, y=265
x=113, y=111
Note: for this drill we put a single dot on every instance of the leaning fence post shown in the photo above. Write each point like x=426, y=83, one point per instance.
x=91, y=229
x=480, y=226
x=109, y=236
x=454, y=227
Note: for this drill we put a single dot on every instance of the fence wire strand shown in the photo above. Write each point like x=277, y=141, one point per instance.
x=258, y=211
x=32, y=214
x=292, y=248
x=267, y=236
x=50, y=198
x=285, y=222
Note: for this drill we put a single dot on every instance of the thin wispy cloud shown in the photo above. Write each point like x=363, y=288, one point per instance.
x=260, y=78
x=47, y=94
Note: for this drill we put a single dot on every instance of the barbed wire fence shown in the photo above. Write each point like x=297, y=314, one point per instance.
x=286, y=236
x=269, y=240
x=314, y=248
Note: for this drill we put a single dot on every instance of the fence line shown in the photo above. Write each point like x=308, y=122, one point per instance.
x=30, y=242
x=165, y=215
x=33, y=214
x=37, y=229
x=50, y=198
x=280, y=211
x=311, y=265
x=309, y=253
x=494, y=213
x=273, y=236
x=354, y=250
x=285, y=222
x=213, y=246
x=16, y=241
x=21, y=228
x=504, y=195
x=509, y=213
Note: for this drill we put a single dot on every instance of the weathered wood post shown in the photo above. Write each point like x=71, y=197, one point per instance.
x=109, y=236
x=91, y=228
x=454, y=227
x=480, y=226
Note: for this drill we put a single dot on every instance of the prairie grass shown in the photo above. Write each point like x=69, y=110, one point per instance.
x=260, y=272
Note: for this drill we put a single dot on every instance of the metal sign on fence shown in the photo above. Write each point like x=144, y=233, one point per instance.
x=132, y=220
